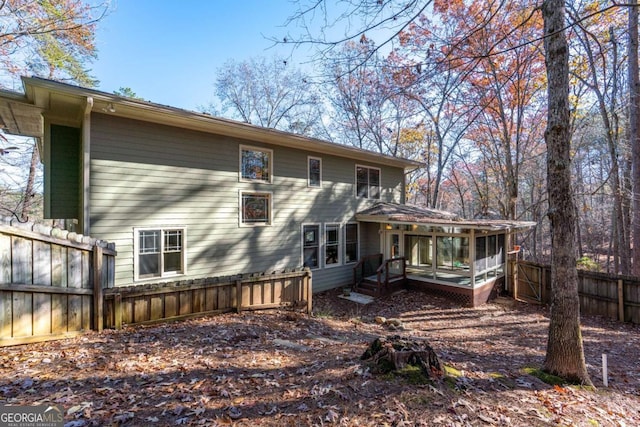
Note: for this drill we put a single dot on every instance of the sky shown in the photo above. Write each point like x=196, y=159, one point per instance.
x=168, y=52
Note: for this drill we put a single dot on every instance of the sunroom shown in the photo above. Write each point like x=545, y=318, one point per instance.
x=438, y=251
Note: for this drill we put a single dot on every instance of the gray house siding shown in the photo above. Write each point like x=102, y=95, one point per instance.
x=148, y=175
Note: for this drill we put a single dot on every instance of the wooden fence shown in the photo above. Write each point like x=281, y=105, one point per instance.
x=56, y=284
x=602, y=294
x=168, y=301
x=50, y=282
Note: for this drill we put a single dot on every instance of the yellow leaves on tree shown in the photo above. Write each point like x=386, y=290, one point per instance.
x=50, y=38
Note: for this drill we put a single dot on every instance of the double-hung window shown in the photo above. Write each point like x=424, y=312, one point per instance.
x=367, y=182
x=256, y=164
x=314, y=172
x=350, y=243
x=255, y=208
x=311, y=246
x=332, y=244
x=160, y=252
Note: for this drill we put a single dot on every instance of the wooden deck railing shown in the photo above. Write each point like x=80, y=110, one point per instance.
x=374, y=276
x=366, y=266
x=392, y=271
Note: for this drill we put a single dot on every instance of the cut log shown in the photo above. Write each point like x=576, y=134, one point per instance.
x=395, y=353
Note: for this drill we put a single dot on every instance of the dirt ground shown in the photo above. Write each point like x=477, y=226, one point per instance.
x=286, y=369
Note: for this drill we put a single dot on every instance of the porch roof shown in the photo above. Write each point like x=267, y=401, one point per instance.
x=411, y=214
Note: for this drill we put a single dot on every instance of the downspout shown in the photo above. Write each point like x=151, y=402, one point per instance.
x=86, y=166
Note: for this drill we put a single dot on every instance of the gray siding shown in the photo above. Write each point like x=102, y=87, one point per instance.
x=145, y=175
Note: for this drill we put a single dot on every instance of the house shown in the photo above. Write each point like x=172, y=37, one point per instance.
x=188, y=195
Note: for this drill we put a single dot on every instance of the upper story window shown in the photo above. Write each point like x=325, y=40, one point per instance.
x=367, y=182
x=160, y=252
x=256, y=164
x=255, y=208
x=314, y=171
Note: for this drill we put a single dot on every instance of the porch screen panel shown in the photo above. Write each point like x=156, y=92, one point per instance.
x=481, y=254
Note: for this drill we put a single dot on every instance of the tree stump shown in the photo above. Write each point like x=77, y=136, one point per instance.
x=395, y=353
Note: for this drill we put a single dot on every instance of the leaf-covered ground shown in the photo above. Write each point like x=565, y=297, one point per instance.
x=283, y=368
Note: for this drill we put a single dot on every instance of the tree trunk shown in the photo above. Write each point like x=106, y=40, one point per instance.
x=565, y=355
x=634, y=137
x=27, y=197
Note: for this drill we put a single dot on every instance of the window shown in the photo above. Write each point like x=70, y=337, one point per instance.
x=350, y=243
x=255, y=208
x=159, y=252
x=332, y=244
x=311, y=246
x=314, y=173
x=255, y=164
x=368, y=182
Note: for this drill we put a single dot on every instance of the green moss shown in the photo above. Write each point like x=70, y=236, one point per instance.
x=544, y=376
x=450, y=376
x=450, y=371
x=413, y=375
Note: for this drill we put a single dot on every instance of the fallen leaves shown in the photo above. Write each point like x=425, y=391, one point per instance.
x=275, y=369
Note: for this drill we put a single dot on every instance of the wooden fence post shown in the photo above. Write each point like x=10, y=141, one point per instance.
x=239, y=296
x=98, y=301
x=620, y=300
x=117, y=311
x=309, y=291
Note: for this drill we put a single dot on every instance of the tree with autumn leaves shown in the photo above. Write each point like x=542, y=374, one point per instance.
x=503, y=57
x=49, y=38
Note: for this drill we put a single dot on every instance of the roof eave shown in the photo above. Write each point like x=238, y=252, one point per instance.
x=147, y=111
x=511, y=226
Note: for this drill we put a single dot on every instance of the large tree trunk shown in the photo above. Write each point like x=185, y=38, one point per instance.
x=565, y=355
x=634, y=132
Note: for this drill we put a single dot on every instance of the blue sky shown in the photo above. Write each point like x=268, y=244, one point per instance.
x=168, y=52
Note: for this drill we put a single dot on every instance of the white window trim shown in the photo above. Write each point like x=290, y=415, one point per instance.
x=253, y=148
x=355, y=182
x=344, y=243
x=255, y=224
x=320, y=239
x=309, y=158
x=136, y=252
x=339, y=244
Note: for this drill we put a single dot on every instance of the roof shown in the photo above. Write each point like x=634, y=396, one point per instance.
x=411, y=214
x=68, y=104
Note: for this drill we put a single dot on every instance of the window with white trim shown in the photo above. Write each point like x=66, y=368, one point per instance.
x=314, y=171
x=350, y=243
x=256, y=164
x=159, y=252
x=367, y=182
x=311, y=245
x=255, y=208
x=332, y=245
